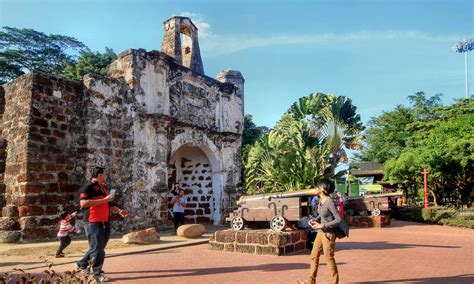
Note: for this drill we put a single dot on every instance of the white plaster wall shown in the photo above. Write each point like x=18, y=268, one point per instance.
x=232, y=115
x=155, y=97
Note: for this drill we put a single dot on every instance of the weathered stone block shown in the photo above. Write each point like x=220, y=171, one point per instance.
x=225, y=236
x=295, y=237
x=10, y=211
x=289, y=249
x=10, y=236
x=300, y=246
x=9, y=224
x=191, y=230
x=257, y=238
x=229, y=247
x=32, y=188
x=142, y=237
x=38, y=233
x=28, y=223
x=267, y=250
x=241, y=237
x=245, y=248
x=31, y=210
x=216, y=246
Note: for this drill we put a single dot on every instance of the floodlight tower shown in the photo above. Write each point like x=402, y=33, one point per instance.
x=464, y=47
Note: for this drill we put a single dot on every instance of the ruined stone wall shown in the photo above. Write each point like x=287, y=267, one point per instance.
x=42, y=131
x=133, y=123
x=15, y=120
x=175, y=106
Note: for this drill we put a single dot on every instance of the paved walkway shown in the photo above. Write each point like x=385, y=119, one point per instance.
x=33, y=257
x=401, y=253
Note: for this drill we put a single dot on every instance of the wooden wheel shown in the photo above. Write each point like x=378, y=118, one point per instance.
x=278, y=223
x=237, y=223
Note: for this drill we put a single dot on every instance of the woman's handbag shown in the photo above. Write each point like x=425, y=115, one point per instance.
x=342, y=230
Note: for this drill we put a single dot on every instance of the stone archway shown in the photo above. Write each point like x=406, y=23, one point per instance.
x=196, y=165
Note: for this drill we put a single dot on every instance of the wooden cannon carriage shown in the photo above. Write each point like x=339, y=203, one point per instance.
x=375, y=205
x=279, y=209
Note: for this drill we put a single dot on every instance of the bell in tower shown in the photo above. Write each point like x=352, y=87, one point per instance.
x=180, y=41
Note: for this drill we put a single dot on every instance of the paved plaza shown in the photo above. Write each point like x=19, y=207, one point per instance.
x=404, y=252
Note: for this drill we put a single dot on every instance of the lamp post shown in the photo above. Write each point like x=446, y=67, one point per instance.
x=464, y=47
x=425, y=178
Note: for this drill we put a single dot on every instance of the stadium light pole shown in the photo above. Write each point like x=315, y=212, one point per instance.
x=464, y=47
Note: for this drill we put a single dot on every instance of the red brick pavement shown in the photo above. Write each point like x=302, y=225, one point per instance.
x=401, y=253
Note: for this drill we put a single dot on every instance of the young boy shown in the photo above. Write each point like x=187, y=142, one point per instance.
x=65, y=228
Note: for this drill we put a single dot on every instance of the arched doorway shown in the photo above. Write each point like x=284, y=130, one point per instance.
x=192, y=169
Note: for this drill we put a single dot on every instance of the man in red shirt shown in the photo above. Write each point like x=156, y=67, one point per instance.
x=95, y=199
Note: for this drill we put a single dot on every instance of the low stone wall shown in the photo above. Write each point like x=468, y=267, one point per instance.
x=368, y=221
x=261, y=242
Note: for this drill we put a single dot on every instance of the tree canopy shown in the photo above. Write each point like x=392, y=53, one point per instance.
x=25, y=50
x=425, y=135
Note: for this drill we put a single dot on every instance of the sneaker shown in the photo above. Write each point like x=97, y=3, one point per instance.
x=59, y=255
x=102, y=278
x=83, y=271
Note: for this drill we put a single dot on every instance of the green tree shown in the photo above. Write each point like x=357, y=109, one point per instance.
x=252, y=132
x=89, y=62
x=439, y=138
x=388, y=134
x=24, y=50
x=306, y=144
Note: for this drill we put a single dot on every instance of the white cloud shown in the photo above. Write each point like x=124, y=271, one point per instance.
x=203, y=27
x=220, y=45
x=216, y=44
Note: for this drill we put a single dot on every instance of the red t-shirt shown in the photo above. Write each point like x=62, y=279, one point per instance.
x=97, y=213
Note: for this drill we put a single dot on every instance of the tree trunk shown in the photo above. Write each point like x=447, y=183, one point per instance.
x=434, y=198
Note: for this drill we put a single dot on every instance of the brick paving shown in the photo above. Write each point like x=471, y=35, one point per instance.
x=404, y=252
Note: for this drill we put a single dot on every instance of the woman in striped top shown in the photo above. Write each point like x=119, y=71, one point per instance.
x=65, y=228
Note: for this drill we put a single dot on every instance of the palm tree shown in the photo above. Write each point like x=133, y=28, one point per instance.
x=306, y=144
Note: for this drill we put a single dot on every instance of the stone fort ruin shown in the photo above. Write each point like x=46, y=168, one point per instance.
x=155, y=120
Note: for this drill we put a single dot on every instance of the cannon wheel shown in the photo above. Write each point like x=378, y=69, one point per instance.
x=278, y=223
x=376, y=212
x=237, y=223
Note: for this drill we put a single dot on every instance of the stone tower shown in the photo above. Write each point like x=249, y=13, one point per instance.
x=180, y=41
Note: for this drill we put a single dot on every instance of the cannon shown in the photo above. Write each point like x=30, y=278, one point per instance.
x=279, y=209
x=376, y=204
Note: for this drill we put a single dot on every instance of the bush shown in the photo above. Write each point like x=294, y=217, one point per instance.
x=434, y=215
x=410, y=214
x=463, y=218
x=463, y=221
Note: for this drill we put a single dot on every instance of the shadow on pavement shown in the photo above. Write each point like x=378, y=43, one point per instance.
x=19, y=263
x=465, y=278
x=209, y=271
x=383, y=246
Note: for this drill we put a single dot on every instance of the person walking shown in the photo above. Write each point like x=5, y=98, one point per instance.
x=65, y=228
x=179, y=205
x=328, y=218
x=95, y=199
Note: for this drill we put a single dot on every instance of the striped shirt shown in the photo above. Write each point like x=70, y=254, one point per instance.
x=65, y=227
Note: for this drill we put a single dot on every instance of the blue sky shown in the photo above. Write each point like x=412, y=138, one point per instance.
x=375, y=52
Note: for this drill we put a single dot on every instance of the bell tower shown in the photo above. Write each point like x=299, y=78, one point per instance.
x=180, y=41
